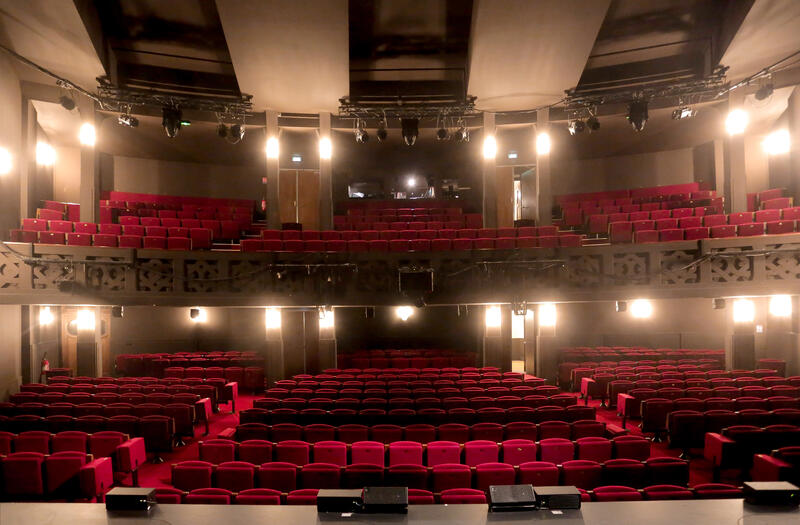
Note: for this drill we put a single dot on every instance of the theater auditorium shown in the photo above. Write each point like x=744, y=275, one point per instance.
x=252, y=251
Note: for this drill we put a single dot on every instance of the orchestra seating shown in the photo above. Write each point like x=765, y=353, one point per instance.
x=406, y=359
x=782, y=464
x=735, y=446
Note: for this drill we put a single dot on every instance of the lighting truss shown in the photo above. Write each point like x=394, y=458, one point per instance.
x=419, y=107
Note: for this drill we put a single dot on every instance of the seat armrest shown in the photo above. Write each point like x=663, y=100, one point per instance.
x=587, y=386
x=228, y=433
x=613, y=431
x=624, y=403
x=96, y=478
x=768, y=468
x=715, y=447
x=131, y=455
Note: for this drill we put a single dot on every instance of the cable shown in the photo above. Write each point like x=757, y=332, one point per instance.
x=757, y=75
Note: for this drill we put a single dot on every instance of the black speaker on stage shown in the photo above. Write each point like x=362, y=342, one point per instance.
x=508, y=498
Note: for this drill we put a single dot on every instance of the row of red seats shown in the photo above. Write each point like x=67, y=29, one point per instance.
x=361, y=362
x=393, y=212
x=409, y=232
x=198, y=239
x=598, y=219
x=231, y=374
x=463, y=496
x=735, y=446
x=432, y=222
x=179, y=204
x=425, y=433
x=416, y=245
x=430, y=454
x=622, y=232
x=595, y=385
x=286, y=477
x=651, y=193
x=465, y=388
x=675, y=388
x=242, y=217
x=329, y=373
x=782, y=464
x=433, y=416
x=62, y=475
x=622, y=351
x=212, y=388
x=225, y=229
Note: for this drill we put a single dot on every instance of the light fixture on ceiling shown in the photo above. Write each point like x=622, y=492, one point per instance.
x=683, y=113
x=85, y=320
x=547, y=314
x=641, y=309
x=128, y=120
x=736, y=121
x=382, y=134
x=744, y=311
x=87, y=134
x=494, y=317
x=5, y=161
x=272, y=318
x=441, y=134
x=765, y=91
x=171, y=119
x=66, y=102
x=411, y=181
x=198, y=315
x=222, y=130
x=404, y=312
x=362, y=137
x=326, y=319
x=576, y=126
x=592, y=123
x=637, y=114
x=45, y=315
x=236, y=134
x=780, y=305
x=410, y=130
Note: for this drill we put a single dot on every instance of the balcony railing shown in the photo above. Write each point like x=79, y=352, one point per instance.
x=709, y=268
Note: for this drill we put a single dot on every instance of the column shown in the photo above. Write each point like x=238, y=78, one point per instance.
x=27, y=161
x=497, y=337
x=325, y=175
x=273, y=345
x=781, y=338
x=90, y=166
x=88, y=326
x=793, y=110
x=327, y=342
x=273, y=165
x=528, y=186
x=488, y=171
x=544, y=195
x=529, y=342
x=735, y=175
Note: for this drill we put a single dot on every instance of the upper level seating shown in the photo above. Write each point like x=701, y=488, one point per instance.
x=117, y=203
x=406, y=359
x=769, y=200
x=154, y=364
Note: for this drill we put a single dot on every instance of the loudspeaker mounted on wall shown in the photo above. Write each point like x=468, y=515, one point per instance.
x=622, y=306
x=117, y=311
x=718, y=303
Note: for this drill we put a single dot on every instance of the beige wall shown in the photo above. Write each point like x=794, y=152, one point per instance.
x=622, y=172
x=10, y=139
x=187, y=178
x=10, y=326
x=756, y=164
x=67, y=174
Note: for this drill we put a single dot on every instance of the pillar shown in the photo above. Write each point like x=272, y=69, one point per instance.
x=27, y=161
x=740, y=341
x=90, y=166
x=529, y=341
x=488, y=178
x=273, y=349
x=793, y=111
x=325, y=176
x=88, y=347
x=782, y=339
x=735, y=175
x=273, y=166
x=327, y=344
x=544, y=192
x=10, y=349
x=497, y=339
x=528, y=185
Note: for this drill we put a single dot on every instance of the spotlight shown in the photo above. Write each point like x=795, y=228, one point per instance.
x=493, y=317
x=5, y=161
x=519, y=307
x=461, y=134
x=69, y=104
x=441, y=134
x=736, y=122
x=171, y=119
x=419, y=302
x=45, y=316
x=547, y=314
x=326, y=317
x=682, y=113
x=641, y=309
x=592, y=123
x=85, y=320
x=198, y=315
x=576, y=126
x=542, y=143
x=411, y=182
x=362, y=137
x=744, y=311
x=764, y=92
x=45, y=154
x=128, y=120
x=637, y=114
x=273, y=148
x=404, y=312
x=382, y=134
x=272, y=318
x=87, y=134
x=777, y=142
x=780, y=305
x=410, y=130
x=489, y=147
x=325, y=148
x=237, y=132
x=222, y=130
x=117, y=311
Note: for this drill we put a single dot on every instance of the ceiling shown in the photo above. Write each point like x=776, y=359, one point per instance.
x=303, y=56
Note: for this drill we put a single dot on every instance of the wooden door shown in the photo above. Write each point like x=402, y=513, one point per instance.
x=308, y=199
x=504, y=186
x=287, y=195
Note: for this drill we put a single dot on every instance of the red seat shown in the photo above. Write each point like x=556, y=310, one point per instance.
x=280, y=476
x=235, y=475
x=209, y=496
x=668, y=235
x=451, y=475
x=487, y=474
x=644, y=236
x=616, y=493
x=750, y=229
x=667, y=492
x=583, y=474
x=320, y=476
x=694, y=234
x=723, y=231
x=538, y=473
x=258, y=497
x=190, y=475
x=620, y=232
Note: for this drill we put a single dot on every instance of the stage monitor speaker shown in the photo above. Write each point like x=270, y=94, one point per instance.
x=130, y=498
x=386, y=500
x=509, y=498
x=339, y=500
x=779, y=493
x=558, y=497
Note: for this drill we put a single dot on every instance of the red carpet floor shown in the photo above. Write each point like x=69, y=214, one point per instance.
x=151, y=475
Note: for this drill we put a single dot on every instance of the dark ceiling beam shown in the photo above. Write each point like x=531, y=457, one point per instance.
x=94, y=28
x=179, y=80
x=646, y=71
x=729, y=21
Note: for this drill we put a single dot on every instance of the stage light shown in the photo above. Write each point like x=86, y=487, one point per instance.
x=5, y=161
x=542, y=143
x=45, y=154
x=222, y=130
x=325, y=148
x=326, y=317
x=489, y=147
x=171, y=119
x=764, y=92
x=296, y=157
x=87, y=134
x=66, y=102
x=404, y=312
x=777, y=142
x=441, y=134
x=493, y=317
x=461, y=134
x=273, y=148
x=85, y=320
x=272, y=318
x=576, y=126
x=410, y=128
x=744, y=311
x=736, y=122
x=637, y=114
x=683, y=113
x=128, y=121
x=780, y=305
x=362, y=137
x=382, y=134
x=45, y=316
x=547, y=314
x=411, y=182
x=641, y=309
x=237, y=132
x=592, y=123
x=198, y=315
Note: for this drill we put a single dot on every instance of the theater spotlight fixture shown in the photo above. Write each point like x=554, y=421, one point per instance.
x=576, y=126
x=66, y=102
x=410, y=129
x=118, y=312
x=519, y=307
x=592, y=124
x=171, y=120
x=128, y=120
x=362, y=137
x=682, y=113
x=736, y=121
x=637, y=114
x=764, y=92
x=382, y=134
x=441, y=134
x=222, y=130
x=404, y=312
